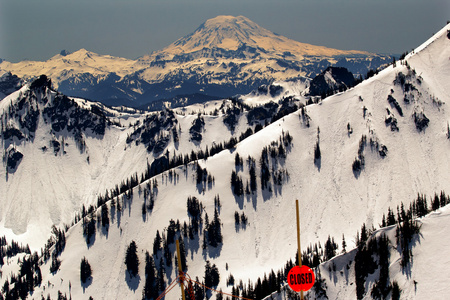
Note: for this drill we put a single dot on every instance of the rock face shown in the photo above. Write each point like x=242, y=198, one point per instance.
x=332, y=79
x=9, y=83
x=225, y=56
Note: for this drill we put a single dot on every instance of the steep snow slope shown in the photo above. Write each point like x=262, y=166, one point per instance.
x=47, y=186
x=425, y=277
x=335, y=197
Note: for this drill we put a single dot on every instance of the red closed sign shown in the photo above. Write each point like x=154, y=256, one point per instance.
x=301, y=278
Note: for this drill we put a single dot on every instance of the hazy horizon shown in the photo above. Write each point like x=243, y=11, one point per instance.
x=38, y=30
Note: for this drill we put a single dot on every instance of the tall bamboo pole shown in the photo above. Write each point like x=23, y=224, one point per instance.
x=180, y=271
x=298, y=241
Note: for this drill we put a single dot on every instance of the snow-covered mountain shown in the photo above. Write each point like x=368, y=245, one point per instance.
x=347, y=158
x=225, y=56
x=68, y=151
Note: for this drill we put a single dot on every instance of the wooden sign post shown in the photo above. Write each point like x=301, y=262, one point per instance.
x=300, y=278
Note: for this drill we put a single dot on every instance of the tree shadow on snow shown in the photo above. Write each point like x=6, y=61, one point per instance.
x=212, y=252
x=132, y=281
x=318, y=163
x=192, y=245
x=86, y=284
x=239, y=201
x=253, y=197
x=267, y=193
x=407, y=269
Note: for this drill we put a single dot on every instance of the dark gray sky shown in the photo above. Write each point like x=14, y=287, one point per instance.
x=39, y=29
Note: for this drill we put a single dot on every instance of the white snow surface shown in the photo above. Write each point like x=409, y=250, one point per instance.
x=333, y=201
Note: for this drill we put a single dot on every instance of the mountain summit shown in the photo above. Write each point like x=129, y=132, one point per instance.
x=231, y=33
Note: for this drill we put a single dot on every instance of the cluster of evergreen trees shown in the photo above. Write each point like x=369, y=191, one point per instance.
x=393, y=102
x=9, y=250
x=29, y=276
x=359, y=162
x=365, y=264
x=270, y=160
x=269, y=164
x=212, y=235
x=163, y=250
x=155, y=130
x=240, y=220
x=198, y=125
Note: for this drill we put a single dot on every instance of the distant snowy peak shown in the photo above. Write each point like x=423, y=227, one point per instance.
x=65, y=65
x=224, y=32
x=224, y=57
x=231, y=33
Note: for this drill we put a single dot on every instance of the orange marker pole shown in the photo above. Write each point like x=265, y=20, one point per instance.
x=298, y=241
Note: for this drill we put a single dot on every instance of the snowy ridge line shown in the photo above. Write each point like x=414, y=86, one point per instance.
x=431, y=40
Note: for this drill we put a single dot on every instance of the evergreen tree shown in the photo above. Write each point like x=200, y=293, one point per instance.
x=436, y=203
x=198, y=290
x=54, y=266
x=215, y=231
x=252, y=172
x=390, y=218
x=160, y=283
x=88, y=228
x=132, y=260
x=105, y=215
x=85, y=270
x=344, y=244
x=330, y=249
x=156, y=243
x=238, y=161
x=149, y=291
x=265, y=171
x=364, y=235
x=167, y=253
x=171, y=231
x=396, y=291
x=237, y=218
x=237, y=184
x=317, y=154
